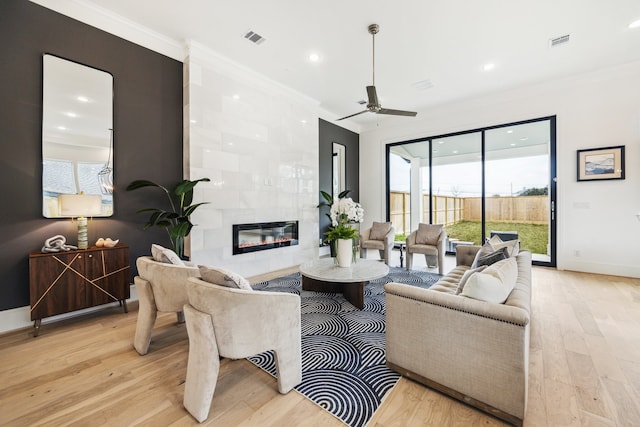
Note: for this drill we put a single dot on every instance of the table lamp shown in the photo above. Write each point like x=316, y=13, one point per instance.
x=80, y=206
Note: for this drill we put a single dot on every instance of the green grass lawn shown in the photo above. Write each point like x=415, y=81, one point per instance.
x=533, y=237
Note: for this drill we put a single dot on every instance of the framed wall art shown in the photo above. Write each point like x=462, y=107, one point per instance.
x=601, y=163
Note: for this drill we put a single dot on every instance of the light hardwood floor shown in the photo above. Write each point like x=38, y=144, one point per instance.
x=584, y=371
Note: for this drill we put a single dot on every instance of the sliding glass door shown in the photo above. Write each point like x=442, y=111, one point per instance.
x=517, y=177
x=495, y=180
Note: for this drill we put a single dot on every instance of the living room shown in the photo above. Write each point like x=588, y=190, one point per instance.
x=274, y=175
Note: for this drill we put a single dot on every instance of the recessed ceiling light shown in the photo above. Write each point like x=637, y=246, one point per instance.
x=510, y=131
x=303, y=121
x=488, y=67
x=441, y=142
x=455, y=151
x=193, y=121
x=71, y=114
x=314, y=57
x=524, y=138
x=62, y=128
x=82, y=98
x=513, y=144
x=236, y=96
x=635, y=24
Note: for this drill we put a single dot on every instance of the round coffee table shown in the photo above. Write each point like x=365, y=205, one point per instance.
x=324, y=275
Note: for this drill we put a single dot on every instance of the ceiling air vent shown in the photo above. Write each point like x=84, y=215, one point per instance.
x=254, y=37
x=559, y=40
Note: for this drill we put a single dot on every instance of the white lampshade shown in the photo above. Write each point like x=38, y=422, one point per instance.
x=77, y=205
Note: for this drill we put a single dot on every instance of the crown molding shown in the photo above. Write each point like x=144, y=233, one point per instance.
x=105, y=20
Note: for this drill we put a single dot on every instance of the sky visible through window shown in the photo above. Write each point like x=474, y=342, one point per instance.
x=504, y=177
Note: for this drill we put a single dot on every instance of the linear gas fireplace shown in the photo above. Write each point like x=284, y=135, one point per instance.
x=264, y=235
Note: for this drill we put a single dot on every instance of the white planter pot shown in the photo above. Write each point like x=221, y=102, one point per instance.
x=344, y=252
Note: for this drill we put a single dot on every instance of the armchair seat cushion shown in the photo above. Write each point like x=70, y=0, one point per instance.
x=373, y=244
x=424, y=249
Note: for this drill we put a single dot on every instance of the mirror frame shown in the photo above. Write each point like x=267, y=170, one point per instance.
x=338, y=169
x=98, y=144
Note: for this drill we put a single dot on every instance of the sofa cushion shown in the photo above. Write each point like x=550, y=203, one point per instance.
x=428, y=234
x=493, y=257
x=222, y=277
x=465, y=277
x=379, y=230
x=494, y=284
x=485, y=250
x=449, y=283
x=162, y=254
x=513, y=246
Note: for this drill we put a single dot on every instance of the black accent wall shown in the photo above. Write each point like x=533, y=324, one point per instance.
x=147, y=135
x=330, y=133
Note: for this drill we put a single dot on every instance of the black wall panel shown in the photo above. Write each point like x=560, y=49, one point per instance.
x=147, y=135
x=330, y=133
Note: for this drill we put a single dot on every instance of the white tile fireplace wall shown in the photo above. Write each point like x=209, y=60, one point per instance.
x=258, y=143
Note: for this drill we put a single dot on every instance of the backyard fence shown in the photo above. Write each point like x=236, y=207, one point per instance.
x=449, y=210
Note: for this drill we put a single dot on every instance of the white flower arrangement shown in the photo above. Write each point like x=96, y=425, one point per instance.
x=345, y=210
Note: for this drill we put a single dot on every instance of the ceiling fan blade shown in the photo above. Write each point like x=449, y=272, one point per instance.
x=373, y=96
x=351, y=115
x=397, y=112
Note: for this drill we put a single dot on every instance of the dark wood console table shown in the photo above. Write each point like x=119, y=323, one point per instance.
x=60, y=282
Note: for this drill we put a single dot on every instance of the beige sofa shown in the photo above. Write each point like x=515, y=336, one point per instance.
x=474, y=351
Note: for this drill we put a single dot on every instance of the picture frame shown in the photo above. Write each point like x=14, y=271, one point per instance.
x=597, y=164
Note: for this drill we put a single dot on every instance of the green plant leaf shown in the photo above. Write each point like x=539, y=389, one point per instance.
x=186, y=185
x=189, y=210
x=140, y=183
x=175, y=221
x=180, y=230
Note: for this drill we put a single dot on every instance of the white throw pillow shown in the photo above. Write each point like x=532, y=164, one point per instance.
x=466, y=275
x=162, y=254
x=513, y=246
x=494, y=284
x=222, y=277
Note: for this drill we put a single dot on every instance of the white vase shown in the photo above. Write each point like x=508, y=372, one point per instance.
x=344, y=252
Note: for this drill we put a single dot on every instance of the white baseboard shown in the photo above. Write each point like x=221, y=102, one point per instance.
x=20, y=318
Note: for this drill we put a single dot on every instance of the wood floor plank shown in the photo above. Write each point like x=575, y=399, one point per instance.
x=584, y=370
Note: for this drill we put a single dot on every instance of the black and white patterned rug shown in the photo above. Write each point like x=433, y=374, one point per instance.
x=343, y=348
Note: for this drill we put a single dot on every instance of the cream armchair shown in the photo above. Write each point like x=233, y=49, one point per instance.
x=238, y=323
x=160, y=287
x=428, y=239
x=379, y=236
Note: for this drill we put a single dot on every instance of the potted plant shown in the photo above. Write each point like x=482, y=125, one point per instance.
x=344, y=212
x=176, y=221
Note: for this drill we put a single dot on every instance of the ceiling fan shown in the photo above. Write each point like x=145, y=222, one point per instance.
x=373, y=106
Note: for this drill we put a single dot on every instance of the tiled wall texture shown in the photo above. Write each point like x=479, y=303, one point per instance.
x=258, y=143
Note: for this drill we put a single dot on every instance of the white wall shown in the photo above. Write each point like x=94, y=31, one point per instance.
x=598, y=109
x=260, y=152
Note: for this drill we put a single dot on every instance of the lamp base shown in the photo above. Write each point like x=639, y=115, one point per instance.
x=83, y=241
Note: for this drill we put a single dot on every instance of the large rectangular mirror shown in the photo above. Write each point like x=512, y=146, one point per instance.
x=77, y=135
x=339, y=172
